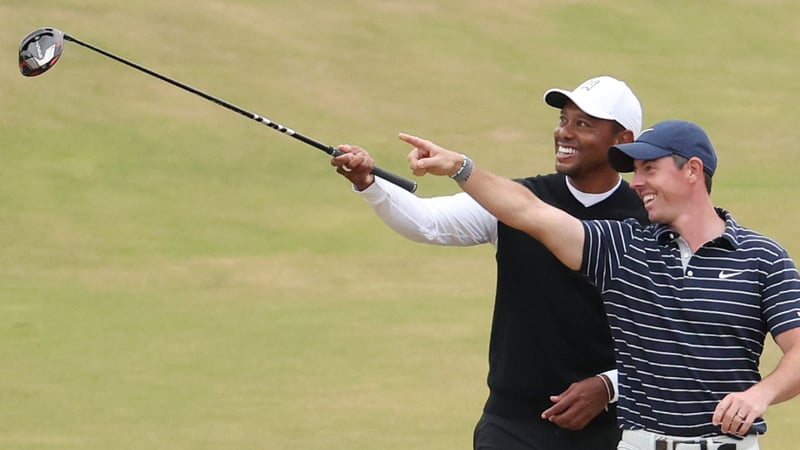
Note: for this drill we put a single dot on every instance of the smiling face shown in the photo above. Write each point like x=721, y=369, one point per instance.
x=582, y=142
x=662, y=185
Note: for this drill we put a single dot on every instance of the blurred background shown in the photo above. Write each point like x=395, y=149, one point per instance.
x=175, y=276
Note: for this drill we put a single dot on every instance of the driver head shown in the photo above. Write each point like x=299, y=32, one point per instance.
x=40, y=50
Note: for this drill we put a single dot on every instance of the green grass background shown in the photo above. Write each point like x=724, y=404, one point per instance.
x=174, y=276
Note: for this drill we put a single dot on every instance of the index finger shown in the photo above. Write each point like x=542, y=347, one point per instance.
x=346, y=148
x=557, y=408
x=416, y=141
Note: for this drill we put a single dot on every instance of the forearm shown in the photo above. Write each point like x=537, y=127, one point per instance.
x=448, y=220
x=783, y=383
x=737, y=411
x=505, y=199
x=518, y=207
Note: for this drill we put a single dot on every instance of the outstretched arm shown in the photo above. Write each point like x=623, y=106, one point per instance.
x=456, y=220
x=508, y=201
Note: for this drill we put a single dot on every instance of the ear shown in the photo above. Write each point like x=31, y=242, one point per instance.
x=624, y=137
x=694, y=169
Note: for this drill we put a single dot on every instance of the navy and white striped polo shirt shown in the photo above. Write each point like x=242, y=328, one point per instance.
x=685, y=338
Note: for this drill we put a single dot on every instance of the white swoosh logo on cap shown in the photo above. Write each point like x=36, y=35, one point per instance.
x=645, y=131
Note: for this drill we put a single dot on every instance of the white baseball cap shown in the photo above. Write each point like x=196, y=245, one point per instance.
x=605, y=98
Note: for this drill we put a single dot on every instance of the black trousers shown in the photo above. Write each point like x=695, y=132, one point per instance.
x=499, y=433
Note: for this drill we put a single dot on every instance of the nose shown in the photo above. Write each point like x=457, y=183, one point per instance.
x=637, y=180
x=564, y=131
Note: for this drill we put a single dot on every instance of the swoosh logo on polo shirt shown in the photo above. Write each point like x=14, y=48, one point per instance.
x=723, y=275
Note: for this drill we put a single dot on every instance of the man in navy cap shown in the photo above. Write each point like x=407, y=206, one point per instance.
x=689, y=298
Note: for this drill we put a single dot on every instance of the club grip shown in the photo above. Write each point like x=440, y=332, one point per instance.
x=405, y=183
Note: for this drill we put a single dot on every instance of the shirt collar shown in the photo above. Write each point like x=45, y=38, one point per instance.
x=587, y=199
x=729, y=238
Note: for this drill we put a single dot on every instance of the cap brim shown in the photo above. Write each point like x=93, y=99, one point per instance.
x=557, y=98
x=621, y=156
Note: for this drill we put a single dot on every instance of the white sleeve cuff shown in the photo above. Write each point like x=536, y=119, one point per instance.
x=375, y=192
x=612, y=375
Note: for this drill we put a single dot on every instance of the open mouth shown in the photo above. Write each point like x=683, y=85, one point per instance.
x=565, y=151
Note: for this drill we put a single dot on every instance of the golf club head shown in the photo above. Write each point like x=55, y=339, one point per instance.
x=40, y=50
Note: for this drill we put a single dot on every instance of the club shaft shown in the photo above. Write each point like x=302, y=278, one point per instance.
x=405, y=183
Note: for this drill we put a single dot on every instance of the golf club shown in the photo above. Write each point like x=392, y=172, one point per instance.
x=42, y=48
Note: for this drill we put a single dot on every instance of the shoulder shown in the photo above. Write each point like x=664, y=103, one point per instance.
x=748, y=239
x=551, y=179
x=553, y=184
x=624, y=203
x=625, y=227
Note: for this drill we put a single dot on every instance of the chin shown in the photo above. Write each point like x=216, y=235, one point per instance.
x=565, y=169
x=654, y=217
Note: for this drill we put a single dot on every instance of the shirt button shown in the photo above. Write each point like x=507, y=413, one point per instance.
x=689, y=273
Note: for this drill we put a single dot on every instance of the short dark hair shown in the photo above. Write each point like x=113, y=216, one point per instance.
x=681, y=161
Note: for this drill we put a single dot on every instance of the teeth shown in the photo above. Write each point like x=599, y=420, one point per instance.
x=648, y=198
x=566, y=150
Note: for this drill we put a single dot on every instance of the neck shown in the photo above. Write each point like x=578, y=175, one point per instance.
x=699, y=224
x=595, y=184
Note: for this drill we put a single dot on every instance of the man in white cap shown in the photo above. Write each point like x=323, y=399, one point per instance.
x=690, y=298
x=552, y=381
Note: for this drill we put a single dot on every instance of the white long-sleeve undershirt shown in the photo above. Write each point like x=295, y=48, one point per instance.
x=448, y=220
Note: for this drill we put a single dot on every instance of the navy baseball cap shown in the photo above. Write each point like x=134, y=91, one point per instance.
x=670, y=137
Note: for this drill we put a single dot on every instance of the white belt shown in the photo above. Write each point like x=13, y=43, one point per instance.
x=645, y=440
